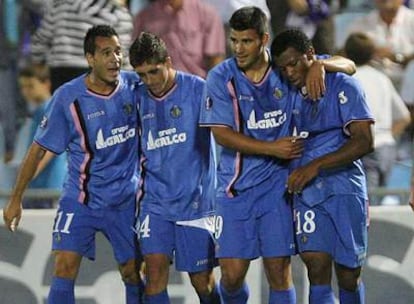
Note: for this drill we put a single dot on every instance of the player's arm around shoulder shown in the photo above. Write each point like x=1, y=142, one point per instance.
x=315, y=77
x=283, y=148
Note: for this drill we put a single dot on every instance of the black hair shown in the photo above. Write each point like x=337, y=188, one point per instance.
x=291, y=38
x=39, y=72
x=249, y=17
x=147, y=48
x=89, y=45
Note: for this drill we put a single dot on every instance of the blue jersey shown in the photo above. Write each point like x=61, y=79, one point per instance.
x=325, y=123
x=99, y=133
x=177, y=168
x=259, y=110
x=53, y=175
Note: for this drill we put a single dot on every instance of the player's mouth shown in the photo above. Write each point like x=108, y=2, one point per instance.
x=114, y=71
x=241, y=58
x=295, y=81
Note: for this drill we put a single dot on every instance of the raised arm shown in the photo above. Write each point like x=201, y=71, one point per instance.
x=283, y=148
x=361, y=142
x=13, y=210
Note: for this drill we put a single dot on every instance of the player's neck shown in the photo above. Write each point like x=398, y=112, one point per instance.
x=99, y=86
x=259, y=68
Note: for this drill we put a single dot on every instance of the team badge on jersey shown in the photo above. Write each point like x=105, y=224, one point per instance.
x=175, y=111
x=277, y=93
x=43, y=122
x=342, y=98
x=128, y=108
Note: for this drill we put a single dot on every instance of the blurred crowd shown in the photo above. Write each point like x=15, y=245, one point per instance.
x=41, y=46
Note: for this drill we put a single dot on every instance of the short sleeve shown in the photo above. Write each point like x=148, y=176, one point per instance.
x=53, y=131
x=352, y=102
x=218, y=102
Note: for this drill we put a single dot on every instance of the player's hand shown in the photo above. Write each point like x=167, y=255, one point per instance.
x=12, y=213
x=287, y=147
x=315, y=80
x=301, y=176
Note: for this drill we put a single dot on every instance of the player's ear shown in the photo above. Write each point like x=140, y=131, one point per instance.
x=168, y=62
x=90, y=59
x=265, y=38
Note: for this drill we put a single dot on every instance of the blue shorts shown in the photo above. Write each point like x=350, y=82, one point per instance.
x=76, y=225
x=337, y=226
x=256, y=222
x=192, y=247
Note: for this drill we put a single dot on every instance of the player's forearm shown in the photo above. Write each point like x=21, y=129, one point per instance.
x=28, y=169
x=339, y=64
x=46, y=159
x=231, y=139
x=352, y=150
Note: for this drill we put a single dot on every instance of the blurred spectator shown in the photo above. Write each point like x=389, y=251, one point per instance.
x=35, y=87
x=407, y=92
x=135, y=6
x=390, y=113
x=191, y=29
x=313, y=17
x=391, y=26
x=57, y=43
x=18, y=19
x=228, y=7
x=8, y=47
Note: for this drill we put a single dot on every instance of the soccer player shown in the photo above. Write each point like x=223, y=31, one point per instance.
x=328, y=182
x=249, y=113
x=93, y=118
x=177, y=174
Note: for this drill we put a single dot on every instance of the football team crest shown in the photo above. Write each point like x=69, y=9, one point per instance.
x=277, y=93
x=127, y=108
x=175, y=111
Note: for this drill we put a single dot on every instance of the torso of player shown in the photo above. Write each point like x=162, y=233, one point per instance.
x=176, y=152
x=102, y=143
x=261, y=111
x=323, y=124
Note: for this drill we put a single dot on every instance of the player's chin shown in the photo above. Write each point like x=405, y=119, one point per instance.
x=112, y=76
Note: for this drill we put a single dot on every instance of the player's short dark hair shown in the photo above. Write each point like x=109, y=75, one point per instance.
x=359, y=48
x=147, y=48
x=89, y=45
x=249, y=17
x=291, y=38
x=39, y=72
